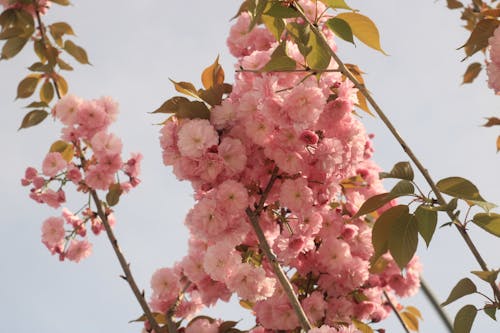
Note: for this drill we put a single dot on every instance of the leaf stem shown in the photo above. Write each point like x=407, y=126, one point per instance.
x=396, y=312
x=253, y=216
x=425, y=173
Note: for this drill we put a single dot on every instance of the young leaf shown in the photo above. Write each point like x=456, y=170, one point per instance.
x=498, y=143
x=27, y=86
x=464, y=319
x=341, y=28
x=185, y=88
x=275, y=25
x=340, y=4
x=280, y=60
x=277, y=10
x=459, y=188
x=382, y=229
x=47, y=92
x=403, y=187
x=472, y=72
x=76, y=52
x=259, y=8
x=113, y=195
x=362, y=327
x=478, y=38
x=212, y=75
x=172, y=105
x=401, y=170
x=193, y=110
x=454, y=4
x=62, y=85
x=11, y=32
x=319, y=57
x=426, y=223
x=414, y=311
x=488, y=276
x=403, y=239
x=492, y=121
x=373, y=203
x=33, y=118
x=213, y=95
x=364, y=29
x=462, y=288
x=410, y=320
x=159, y=317
x=12, y=47
x=64, y=65
x=61, y=2
x=66, y=149
x=491, y=311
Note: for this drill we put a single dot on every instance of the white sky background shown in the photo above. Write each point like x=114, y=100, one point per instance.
x=134, y=48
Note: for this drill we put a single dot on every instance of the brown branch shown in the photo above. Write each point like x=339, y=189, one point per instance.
x=171, y=325
x=253, y=215
x=435, y=303
x=425, y=173
x=396, y=312
x=109, y=231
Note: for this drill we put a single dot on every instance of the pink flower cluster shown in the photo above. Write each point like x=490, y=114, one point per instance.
x=89, y=156
x=303, y=127
x=43, y=5
x=493, y=66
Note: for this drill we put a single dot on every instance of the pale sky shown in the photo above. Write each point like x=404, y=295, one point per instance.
x=134, y=48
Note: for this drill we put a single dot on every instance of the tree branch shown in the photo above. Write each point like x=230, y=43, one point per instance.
x=253, y=215
x=435, y=303
x=396, y=312
x=425, y=173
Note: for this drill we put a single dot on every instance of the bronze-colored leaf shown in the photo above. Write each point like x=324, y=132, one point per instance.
x=213, y=95
x=76, y=52
x=11, y=32
x=62, y=85
x=62, y=2
x=478, y=39
x=454, y=4
x=472, y=72
x=12, y=47
x=492, y=121
x=113, y=195
x=213, y=75
x=47, y=92
x=27, y=86
x=33, y=118
x=64, y=65
x=186, y=88
x=172, y=105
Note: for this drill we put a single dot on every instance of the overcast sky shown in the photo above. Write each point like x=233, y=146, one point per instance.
x=134, y=48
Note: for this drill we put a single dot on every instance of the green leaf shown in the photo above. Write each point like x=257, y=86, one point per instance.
x=426, y=223
x=33, y=118
x=280, y=61
x=76, y=52
x=259, y=8
x=278, y=10
x=459, y=188
x=12, y=47
x=40, y=67
x=403, y=239
x=300, y=35
x=488, y=276
x=275, y=25
x=172, y=105
x=341, y=4
x=478, y=38
x=113, y=195
x=401, y=170
x=185, y=88
x=319, y=56
x=382, y=228
x=27, y=86
x=491, y=311
x=193, y=110
x=403, y=187
x=11, y=32
x=472, y=72
x=362, y=327
x=364, y=29
x=464, y=319
x=489, y=222
x=341, y=28
x=373, y=203
x=47, y=92
x=462, y=288
x=66, y=149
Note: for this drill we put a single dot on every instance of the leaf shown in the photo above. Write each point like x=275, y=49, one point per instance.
x=492, y=121
x=401, y=170
x=185, y=88
x=37, y=105
x=402, y=188
x=213, y=75
x=27, y=86
x=62, y=2
x=382, y=229
x=414, y=311
x=495, y=12
x=47, y=92
x=159, y=317
x=489, y=222
x=213, y=95
x=257, y=12
x=275, y=25
x=299, y=33
x=491, y=311
x=464, y=319
x=33, y=118
x=454, y=4
x=12, y=47
x=64, y=65
x=364, y=29
x=280, y=61
x=11, y=32
x=498, y=143
x=410, y=320
x=462, y=288
x=319, y=56
x=358, y=74
x=66, y=149
x=341, y=4
x=246, y=304
x=113, y=195
x=459, y=188
x=227, y=326
x=40, y=50
x=488, y=276
x=278, y=10
x=193, y=110
x=426, y=223
x=76, y=52
x=403, y=239
x=59, y=29
x=472, y=72
x=478, y=38
x=62, y=85
x=373, y=203
x=172, y=105
x=362, y=327
x=39, y=67
x=341, y=28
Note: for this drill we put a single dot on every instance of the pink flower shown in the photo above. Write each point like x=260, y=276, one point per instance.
x=66, y=109
x=53, y=233
x=203, y=325
x=234, y=154
x=195, y=137
x=296, y=195
x=78, y=250
x=133, y=166
x=220, y=261
x=98, y=178
x=232, y=198
x=104, y=143
x=493, y=71
x=165, y=284
x=251, y=283
x=53, y=163
x=304, y=104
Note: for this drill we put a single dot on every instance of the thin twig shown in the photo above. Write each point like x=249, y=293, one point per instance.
x=305, y=70
x=435, y=303
x=171, y=325
x=396, y=312
x=100, y=212
x=253, y=215
x=425, y=173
